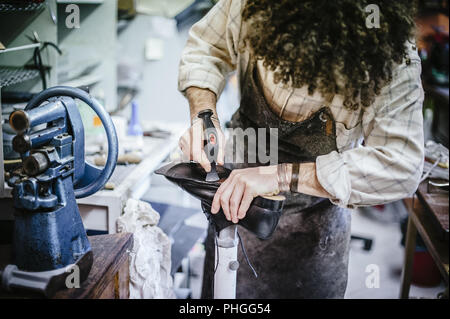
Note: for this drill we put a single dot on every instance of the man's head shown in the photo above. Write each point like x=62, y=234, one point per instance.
x=327, y=46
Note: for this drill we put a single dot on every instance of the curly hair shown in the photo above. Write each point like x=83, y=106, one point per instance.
x=326, y=46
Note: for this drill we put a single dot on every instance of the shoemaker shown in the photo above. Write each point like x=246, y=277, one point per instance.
x=346, y=98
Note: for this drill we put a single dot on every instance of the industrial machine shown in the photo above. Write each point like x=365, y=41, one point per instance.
x=49, y=236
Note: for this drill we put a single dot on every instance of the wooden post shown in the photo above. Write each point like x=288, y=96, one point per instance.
x=410, y=248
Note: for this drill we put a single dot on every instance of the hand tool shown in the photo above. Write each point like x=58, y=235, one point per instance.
x=49, y=236
x=212, y=143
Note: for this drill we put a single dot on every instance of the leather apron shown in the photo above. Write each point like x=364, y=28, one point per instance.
x=307, y=256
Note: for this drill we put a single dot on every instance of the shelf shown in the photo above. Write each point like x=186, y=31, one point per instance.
x=14, y=75
x=20, y=6
x=79, y=1
x=85, y=80
x=22, y=47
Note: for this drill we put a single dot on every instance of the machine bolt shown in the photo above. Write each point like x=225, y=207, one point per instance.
x=233, y=265
x=44, y=190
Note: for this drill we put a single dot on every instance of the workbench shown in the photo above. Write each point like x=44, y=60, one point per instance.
x=431, y=227
x=109, y=277
x=101, y=210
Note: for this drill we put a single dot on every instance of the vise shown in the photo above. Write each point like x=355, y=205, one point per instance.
x=49, y=236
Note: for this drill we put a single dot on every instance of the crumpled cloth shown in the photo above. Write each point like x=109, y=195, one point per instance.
x=150, y=259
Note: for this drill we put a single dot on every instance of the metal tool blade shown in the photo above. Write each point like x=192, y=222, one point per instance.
x=212, y=176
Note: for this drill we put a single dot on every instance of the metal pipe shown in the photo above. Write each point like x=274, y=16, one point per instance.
x=22, y=120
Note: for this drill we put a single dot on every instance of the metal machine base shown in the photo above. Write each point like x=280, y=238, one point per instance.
x=45, y=283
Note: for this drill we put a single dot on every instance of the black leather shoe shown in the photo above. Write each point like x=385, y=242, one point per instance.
x=262, y=217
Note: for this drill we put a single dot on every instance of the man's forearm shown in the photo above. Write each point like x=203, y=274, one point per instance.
x=308, y=182
x=200, y=99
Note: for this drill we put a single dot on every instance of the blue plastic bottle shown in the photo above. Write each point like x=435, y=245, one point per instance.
x=134, y=128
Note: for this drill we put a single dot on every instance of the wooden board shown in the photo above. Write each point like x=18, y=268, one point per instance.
x=437, y=247
x=109, y=276
x=435, y=201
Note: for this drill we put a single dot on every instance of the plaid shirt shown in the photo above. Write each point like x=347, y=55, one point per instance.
x=389, y=164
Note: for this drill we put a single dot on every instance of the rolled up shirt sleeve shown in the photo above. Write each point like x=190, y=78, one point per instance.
x=210, y=53
x=389, y=165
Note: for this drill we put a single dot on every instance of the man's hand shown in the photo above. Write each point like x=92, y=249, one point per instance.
x=237, y=192
x=192, y=141
x=191, y=144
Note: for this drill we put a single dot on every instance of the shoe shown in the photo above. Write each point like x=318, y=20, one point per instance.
x=262, y=217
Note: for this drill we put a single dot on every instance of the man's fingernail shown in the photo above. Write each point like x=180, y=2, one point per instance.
x=213, y=210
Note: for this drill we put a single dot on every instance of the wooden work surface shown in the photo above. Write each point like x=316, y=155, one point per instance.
x=435, y=201
x=109, y=276
x=436, y=245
